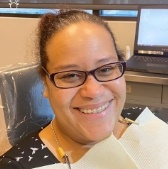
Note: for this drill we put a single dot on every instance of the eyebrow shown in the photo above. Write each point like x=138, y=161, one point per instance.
x=108, y=59
x=66, y=67
x=104, y=60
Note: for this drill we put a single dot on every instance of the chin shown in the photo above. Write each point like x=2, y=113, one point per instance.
x=101, y=135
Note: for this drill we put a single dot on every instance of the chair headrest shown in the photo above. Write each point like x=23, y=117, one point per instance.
x=24, y=107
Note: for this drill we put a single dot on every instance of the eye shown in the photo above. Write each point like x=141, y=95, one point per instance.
x=106, y=70
x=69, y=76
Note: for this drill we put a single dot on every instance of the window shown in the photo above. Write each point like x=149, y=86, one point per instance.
x=28, y=12
x=24, y=11
x=119, y=13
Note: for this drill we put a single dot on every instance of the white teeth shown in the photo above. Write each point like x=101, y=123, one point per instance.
x=92, y=111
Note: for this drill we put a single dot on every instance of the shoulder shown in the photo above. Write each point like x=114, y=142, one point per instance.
x=131, y=113
x=29, y=153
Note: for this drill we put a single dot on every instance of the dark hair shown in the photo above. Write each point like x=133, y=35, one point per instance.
x=52, y=23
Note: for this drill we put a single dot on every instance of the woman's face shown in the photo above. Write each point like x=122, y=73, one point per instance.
x=84, y=46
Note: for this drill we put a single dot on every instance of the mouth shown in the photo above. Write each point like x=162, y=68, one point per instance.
x=94, y=110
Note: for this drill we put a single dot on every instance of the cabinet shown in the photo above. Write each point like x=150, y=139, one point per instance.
x=165, y=94
x=147, y=89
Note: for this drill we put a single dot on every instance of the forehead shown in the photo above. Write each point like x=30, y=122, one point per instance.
x=80, y=42
x=80, y=30
x=86, y=27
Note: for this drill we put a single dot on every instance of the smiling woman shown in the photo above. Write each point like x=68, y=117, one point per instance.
x=64, y=56
x=82, y=72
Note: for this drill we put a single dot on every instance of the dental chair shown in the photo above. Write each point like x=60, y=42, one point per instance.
x=23, y=109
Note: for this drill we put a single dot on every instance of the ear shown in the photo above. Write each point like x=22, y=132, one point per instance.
x=45, y=90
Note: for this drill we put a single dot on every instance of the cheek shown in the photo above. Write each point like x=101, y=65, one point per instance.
x=60, y=99
x=119, y=88
x=122, y=86
x=122, y=92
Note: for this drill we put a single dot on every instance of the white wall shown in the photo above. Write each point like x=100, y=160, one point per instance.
x=17, y=38
x=124, y=32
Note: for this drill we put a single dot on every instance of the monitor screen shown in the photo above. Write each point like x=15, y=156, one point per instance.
x=153, y=27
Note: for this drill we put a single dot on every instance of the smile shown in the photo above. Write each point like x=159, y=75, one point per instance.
x=94, y=111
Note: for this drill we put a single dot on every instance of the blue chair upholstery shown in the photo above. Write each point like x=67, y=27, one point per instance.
x=25, y=110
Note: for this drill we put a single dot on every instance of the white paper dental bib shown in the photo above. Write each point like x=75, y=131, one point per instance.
x=147, y=143
x=107, y=154
x=142, y=146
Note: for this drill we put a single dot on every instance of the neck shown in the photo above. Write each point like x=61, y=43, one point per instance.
x=72, y=148
x=53, y=136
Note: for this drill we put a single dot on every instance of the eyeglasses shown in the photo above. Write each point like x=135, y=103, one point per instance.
x=75, y=78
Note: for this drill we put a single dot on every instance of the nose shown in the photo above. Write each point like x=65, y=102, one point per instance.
x=91, y=88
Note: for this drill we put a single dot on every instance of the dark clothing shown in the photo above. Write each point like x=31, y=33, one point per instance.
x=29, y=153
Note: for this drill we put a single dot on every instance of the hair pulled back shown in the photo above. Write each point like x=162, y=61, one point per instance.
x=51, y=23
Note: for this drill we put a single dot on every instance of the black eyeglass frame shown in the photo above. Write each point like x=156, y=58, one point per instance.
x=87, y=73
